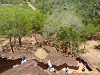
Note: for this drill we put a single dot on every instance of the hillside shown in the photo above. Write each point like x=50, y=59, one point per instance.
x=69, y=12
x=49, y=37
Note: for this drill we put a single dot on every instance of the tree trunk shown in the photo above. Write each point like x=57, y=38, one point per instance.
x=70, y=46
x=84, y=47
x=11, y=45
x=20, y=42
x=65, y=49
x=62, y=47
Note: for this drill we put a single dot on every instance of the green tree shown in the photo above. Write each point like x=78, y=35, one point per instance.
x=7, y=26
x=17, y=21
x=27, y=20
x=23, y=22
x=70, y=38
x=88, y=31
x=38, y=21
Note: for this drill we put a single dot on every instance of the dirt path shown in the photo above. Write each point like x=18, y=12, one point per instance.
x=30, y=5
x=92, y=54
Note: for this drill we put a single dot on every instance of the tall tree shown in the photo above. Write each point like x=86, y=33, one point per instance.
x=23, y=22
x=7, y=25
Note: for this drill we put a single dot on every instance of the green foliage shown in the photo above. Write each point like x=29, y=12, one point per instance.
x=38, y=21
x=6, y=22
x=23, y=21
x=68, y=35
x=89, y=11
x=19, y=20
x=68, y=12
x=12, y=1
x=15, y=20
x=89, y=30
x=43, y=6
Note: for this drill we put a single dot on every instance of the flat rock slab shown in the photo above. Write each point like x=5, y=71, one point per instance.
x=41, y=53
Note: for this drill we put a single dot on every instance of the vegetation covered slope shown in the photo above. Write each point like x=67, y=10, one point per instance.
x=72, y=21
x=69, y=12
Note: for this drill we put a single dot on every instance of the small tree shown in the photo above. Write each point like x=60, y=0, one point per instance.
x=70, y=38
x=7, y=26
x=23, y=22
x=26, y=20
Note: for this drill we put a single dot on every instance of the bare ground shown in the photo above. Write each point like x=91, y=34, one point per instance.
x=27, y=44
x=92, y=54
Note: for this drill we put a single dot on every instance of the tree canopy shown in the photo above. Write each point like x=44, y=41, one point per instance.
x=69, y=38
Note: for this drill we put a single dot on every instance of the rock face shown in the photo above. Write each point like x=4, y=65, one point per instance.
x=14, y=56
x=6, y=64
x=28, y=68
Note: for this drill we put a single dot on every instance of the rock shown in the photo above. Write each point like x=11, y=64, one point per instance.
x=1, y=49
